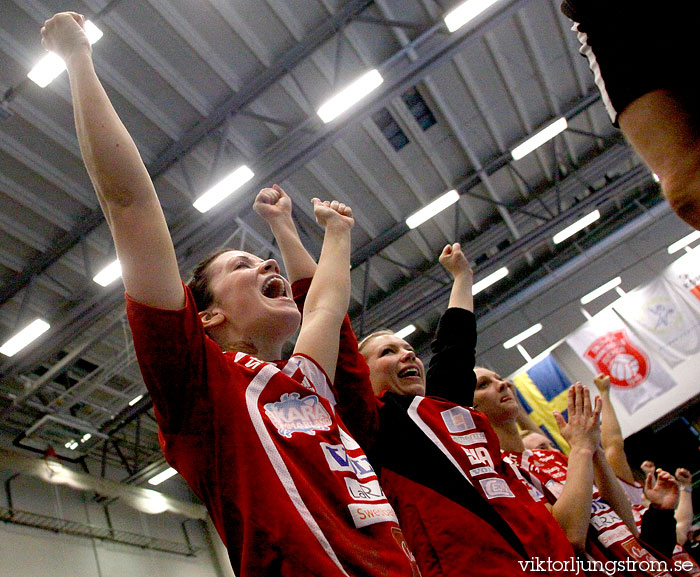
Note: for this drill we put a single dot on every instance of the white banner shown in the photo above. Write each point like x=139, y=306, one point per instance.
x=684, y=277
x=663, y=320
x=606, y=343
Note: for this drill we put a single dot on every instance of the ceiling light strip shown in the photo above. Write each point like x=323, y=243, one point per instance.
x=517, y=339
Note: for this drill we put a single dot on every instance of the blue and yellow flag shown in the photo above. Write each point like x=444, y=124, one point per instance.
x=543, y=388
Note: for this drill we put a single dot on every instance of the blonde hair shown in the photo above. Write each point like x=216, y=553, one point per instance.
x=380, y=333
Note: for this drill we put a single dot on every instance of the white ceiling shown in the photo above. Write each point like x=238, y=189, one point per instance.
x=207, y=86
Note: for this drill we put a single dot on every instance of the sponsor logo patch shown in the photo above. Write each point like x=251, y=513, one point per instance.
x=615, y=535
x=478, y=455
x=494, y=488
x=534, y=492
x=369, y=491
x=555, y=488
x=458, y=420
x=605, y=520
x=598, y=506
x=338, y=460
x=481, y=471
x=292, y=414
x=470, y=439
x=364, y=515
x=401, y=540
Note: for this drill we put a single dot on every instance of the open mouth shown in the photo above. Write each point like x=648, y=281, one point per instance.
x=409, y=372
x=274, y=288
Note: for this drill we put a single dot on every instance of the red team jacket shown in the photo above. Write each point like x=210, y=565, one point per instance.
x=463, y=510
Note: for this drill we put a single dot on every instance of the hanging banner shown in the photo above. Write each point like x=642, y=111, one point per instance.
x=606, y=343
x=543, y=388
x=684, y=277
x=662, y=319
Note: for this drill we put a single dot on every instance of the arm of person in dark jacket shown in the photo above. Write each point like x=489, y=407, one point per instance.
x=451, y=370
x=658, y=523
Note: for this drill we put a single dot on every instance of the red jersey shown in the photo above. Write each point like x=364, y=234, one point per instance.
x=261, y=444
x=463, y=509
x=608, y=536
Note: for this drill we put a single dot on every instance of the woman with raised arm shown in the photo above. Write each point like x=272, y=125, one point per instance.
x=568, y=482
x=464, y=510
x=259, y=440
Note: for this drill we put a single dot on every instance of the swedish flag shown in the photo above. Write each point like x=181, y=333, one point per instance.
x=543, y=388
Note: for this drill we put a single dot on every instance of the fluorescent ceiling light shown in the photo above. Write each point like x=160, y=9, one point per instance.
x=351, y=94
x=601, y=290
x=510, y=343
x=435, y=207
x=51, y=65
x=685, y=241
x=154, y=503
x=163, y=476
x=108, y=274
x=538, y=139
x=404, y=332
x=48, y=68
x=92, y=32
x=465, y=12
x=135, y=400
x=223, y=189
x=31, y=332
x=572, y=229
x=487, y=281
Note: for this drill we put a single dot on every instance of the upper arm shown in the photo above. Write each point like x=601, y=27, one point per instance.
x=357, y=404
x=617, y=459
x=146, y=253
x=318, y=339
x=451, y=370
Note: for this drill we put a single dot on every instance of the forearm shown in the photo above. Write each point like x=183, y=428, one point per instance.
x=611, y=490
x=327, y=302
x=613, y=441
x=461, y=294
x=125, y=192
x=298, y=262
x=330, y=288
x=684, y=515
x=573, y=507
x=110, y=155
x=609, y=427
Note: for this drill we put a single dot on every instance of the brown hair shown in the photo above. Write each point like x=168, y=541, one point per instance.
x=199, y=283
x=369, y=337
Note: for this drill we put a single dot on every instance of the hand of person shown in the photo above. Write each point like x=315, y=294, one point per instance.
x=648, y=467
x=684, y=478
x=271, y=203
x=583, y=428
x=602, y=382
x=663, y=491
x=64, y=34
x=332, y=213
x=453, y=260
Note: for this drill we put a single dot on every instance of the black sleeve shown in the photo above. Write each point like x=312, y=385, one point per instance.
x=451, y=369
x=659, y=530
